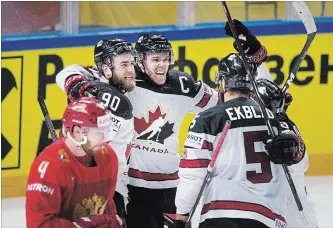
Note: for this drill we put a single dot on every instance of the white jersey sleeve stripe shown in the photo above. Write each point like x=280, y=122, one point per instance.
x=205, y=98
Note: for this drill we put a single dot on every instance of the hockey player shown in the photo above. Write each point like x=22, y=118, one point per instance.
x=115, y=61
x=154, y=162
x=272, y=96
x=247, y=188
x=160, y=101
x=72, y=182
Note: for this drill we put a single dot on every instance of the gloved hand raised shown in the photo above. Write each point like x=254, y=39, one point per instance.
x=249, y=42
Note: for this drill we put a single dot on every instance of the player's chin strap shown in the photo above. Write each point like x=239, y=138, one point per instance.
x=79, y=144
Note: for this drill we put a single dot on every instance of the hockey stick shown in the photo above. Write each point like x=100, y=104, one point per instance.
x=209, y=171
x=47, y=118
x=263, y=108
x=305, y=14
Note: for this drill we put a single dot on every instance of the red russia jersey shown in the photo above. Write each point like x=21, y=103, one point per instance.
x=61, y=190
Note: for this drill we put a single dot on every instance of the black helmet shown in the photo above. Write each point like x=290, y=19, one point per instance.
x=106, y=50
x=271, y=94
x=153, y=43
x=232, y=70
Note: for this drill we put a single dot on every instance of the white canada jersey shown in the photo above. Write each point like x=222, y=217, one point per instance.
x=297, y=172
x=122, y=117
x=158, y=114
x=244, y=184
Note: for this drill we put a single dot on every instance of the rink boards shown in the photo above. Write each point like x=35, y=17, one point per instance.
x=29, y=66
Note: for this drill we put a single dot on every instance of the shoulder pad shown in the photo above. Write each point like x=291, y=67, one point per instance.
x=114, y=99
x=55, y=153
x=182, y=83
x=174, y=75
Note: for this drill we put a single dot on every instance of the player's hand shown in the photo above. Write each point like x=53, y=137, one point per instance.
x=248, y=41
x=283, y=149
x=72, y=81
x=176, y=224
x=179, y=224
x=82, y=89
x=173, y=221
x=100, y=221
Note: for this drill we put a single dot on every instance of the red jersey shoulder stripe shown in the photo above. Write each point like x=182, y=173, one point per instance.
x=204, y=100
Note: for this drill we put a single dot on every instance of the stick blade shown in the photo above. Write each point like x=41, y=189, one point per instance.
x=305, y=14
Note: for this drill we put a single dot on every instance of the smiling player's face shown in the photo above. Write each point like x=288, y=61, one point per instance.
x=156, y=66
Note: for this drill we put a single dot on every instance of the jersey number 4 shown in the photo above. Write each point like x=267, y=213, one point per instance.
x=42, y=168
x=258, y=161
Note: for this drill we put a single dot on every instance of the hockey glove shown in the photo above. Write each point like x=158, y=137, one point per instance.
x=283, y=149
x=82, y=89
x=101, y=221
x=248, y=41
x=171, y=222
x=72, y=80
x=179, y=224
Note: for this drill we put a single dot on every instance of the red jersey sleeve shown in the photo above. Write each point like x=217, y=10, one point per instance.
x=44, y=194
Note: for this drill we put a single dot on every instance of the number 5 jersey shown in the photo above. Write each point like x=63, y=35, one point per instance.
x=245, y=184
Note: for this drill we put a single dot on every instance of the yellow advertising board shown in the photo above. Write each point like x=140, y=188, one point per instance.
x=11, y=97
x=30, y=74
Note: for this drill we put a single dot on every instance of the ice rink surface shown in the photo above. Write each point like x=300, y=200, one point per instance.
x=320, y=188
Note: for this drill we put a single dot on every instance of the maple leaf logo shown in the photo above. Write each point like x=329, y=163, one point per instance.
x=155, y=128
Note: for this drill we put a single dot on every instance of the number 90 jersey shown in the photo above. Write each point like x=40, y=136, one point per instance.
x=244, y=184
x=122, y=117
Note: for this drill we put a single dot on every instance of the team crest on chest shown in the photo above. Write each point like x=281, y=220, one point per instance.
x=154, y=126
x=90, y=206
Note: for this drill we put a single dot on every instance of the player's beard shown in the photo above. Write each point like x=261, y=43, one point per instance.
x=91, y=150
x=126, y=82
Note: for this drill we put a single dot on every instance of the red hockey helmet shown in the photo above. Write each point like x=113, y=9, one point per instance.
x=88, y=112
